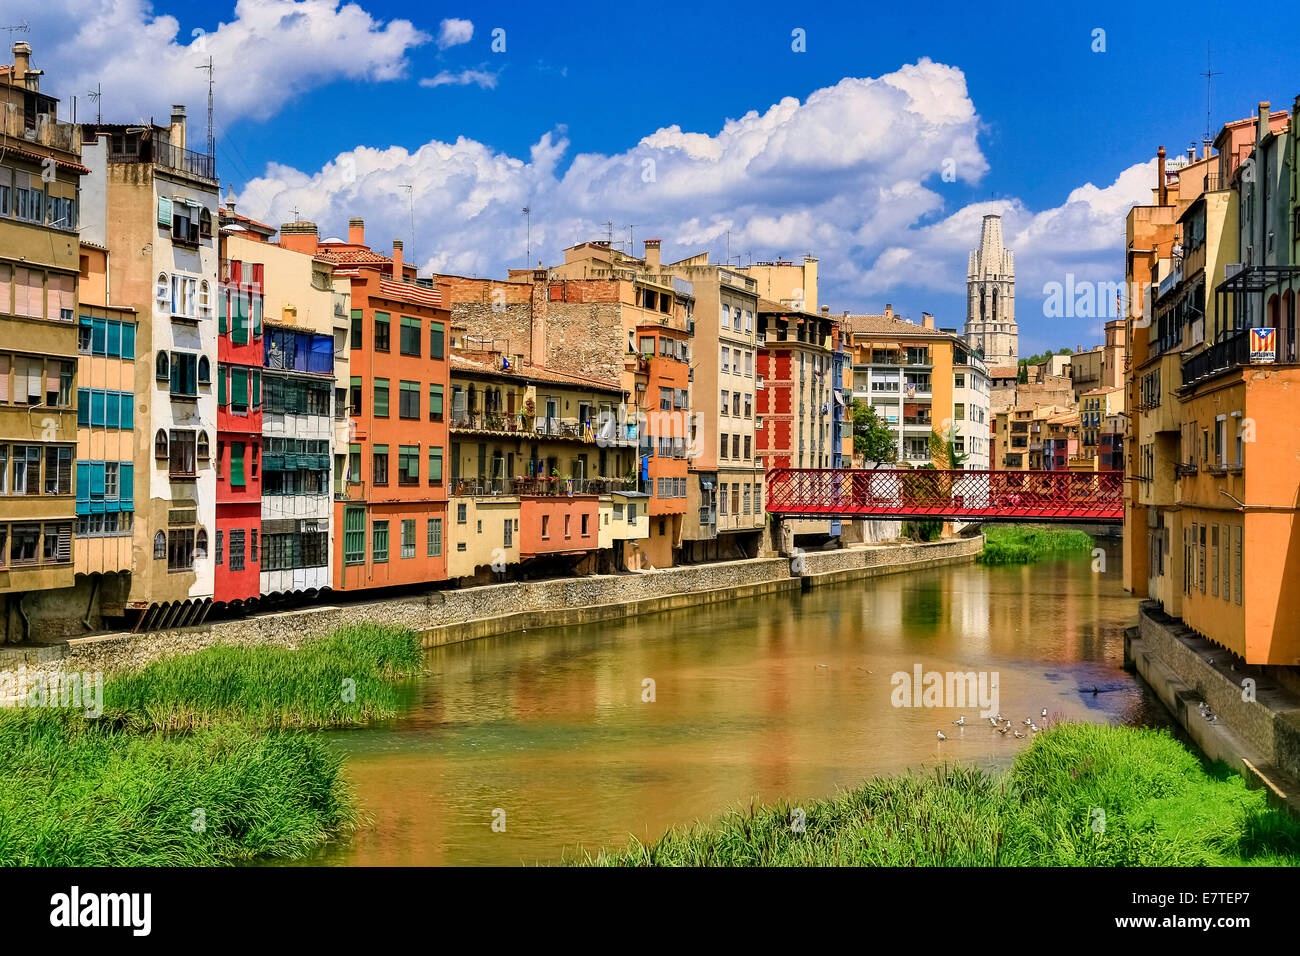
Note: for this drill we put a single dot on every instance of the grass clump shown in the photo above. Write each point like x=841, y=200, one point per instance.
x=349, y=678
x=1025, y=544
x=1161, y=806
x=79, y=792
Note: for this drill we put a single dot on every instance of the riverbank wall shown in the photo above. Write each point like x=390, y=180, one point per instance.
x=464, y=614
x=1256, y=725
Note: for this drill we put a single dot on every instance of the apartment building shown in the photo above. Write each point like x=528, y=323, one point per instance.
x=1212, y=456
x=724, y=514
x=1095, y=408
x=106, y=442
x=304, y=405
x=152, y=203
x=394, y=510
x=790, y=284
x=40, y=168
x=535, y=486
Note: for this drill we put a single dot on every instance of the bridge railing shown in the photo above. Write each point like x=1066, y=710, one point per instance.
x=932, y=493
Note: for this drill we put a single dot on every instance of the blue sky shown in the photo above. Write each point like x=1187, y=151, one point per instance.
x=321, y=108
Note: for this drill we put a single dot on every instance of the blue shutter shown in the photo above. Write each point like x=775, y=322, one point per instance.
x=126, y=486
x=112, y=402
x=96, y=479
x=97, y=334
x=96, y=407
x=128, y=409
x=83, y=406
x=83, y=487
x=114, y=339
x=128, y=340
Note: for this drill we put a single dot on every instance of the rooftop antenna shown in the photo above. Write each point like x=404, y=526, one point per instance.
x=528, y=235
x=1209, y=75
x=609, y=232
x=631, y=242
x=96, y=97
x=20, y=27
x=410, y=193
x=212, y=140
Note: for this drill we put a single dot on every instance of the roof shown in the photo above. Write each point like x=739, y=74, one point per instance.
x=527, y=372
x=224, y=213
x=1003, y=371
x=886, y=325
x=355, y=256
x=1105, y=390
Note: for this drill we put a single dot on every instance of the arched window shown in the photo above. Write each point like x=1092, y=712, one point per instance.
x=203, y=446
x=162, y=368
x=163, y=292
x=995, y=305
x=205, y=223
x=205, y=299
x=205, y=371
x=201, y=544
x=160, y=445
x=160, y=546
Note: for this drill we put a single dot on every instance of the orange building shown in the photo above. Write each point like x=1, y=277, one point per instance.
x=394, y=509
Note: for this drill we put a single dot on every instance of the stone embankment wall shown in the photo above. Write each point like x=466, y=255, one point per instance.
x=450, y=616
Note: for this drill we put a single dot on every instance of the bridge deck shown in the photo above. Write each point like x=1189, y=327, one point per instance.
x=897, y=493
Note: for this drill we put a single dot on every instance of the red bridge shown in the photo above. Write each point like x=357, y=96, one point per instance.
x=896, y=493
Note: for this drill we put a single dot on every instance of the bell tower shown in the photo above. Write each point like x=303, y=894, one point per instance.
x=991, y=297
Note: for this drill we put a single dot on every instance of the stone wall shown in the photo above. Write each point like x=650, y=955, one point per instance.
x=450, y=616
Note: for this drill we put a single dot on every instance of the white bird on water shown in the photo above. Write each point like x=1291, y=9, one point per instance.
x=1034, y=728
x=1003, y=731
x=960, y=721
x=1044, y=713
x=941, y=736
x=1020, y=735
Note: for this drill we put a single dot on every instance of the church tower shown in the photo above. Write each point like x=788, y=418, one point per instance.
x=991, y=298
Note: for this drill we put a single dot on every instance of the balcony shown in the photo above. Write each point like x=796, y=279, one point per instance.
x=139, y=150
x=530, y=486
x=40, y=130
x=1231, y=352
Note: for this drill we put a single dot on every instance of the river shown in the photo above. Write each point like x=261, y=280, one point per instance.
x=787, y=696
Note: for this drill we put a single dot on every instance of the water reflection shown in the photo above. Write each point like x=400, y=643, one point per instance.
x=782, y=696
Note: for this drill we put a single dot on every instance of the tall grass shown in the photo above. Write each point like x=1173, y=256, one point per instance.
x=1161, y=807
x=351, y=677
x=1024, y=544
x=79, y=792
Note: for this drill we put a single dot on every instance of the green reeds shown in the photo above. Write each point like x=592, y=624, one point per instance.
x=1081, y=795
x=1024, y=544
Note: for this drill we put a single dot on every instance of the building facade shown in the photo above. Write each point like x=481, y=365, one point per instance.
x=991, y=328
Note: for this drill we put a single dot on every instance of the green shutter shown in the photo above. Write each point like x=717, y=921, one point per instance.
x=237, y=464
x=164, y=211
x=239, y=388
x=257, y=388
x=435, y=340
x=221, y=386
x=223, y=303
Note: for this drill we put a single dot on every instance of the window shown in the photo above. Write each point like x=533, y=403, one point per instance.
x=408, y=400
x=726, y=357
x=546, y=526
x=354, y=398
x=239, y=390
x=205, y=371
x=722, y=446
x=217, y=554
x=381, y=398
x=26, y=470
x=24, y=540
x=184, y=380
x=159, y=546
x=436, y=340
x=356, y=328
x=236, y=549
x=434, y=537
x=586, y=532
x=181, y=459
x=160, y=445
x=726, y=402
x=435, y=466
x=379, y=474
x=203, y=448
x=567, y=523
x=185, y=297
x=408, y=466
x=237, y=464
x=354, y=535
x=409, y=343
x=381, y=332
x=161, y=367
x=461, y=513
x=435, y=403
x=408, y=537
x=354, y=464
x=180, y=549
x=959, y=412
x=379, y=546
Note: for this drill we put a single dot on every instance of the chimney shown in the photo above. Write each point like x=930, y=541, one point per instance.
x=299, y=237
x=889, y=311
x=178, y=126
x=927, y=320
x=22, y=61
x=356, y=232
x=652, y=253
x=1160, y=177
x=1261, y=129
x=397, y=261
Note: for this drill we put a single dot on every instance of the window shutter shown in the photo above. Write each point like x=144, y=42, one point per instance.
x=128, y=410
x=221, y=386
x=164, y=211
x=237, y=464
x=128, y=340
x=4, y=378
x=83, y=487
x=112, y=410
x=83, y=406
x=257, y=389
x=97, y=402
x=96, y=479
x=223, y=299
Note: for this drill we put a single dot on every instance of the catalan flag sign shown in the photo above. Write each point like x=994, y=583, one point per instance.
x=1263, y=346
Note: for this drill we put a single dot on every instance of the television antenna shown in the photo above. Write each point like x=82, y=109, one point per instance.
x=1209, y=75
x=96, y=96
x=21, y=27
x=528, y=235
x=410, y=194
x=212, y=141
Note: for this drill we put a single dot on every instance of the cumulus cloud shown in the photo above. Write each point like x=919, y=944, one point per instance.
x=853, y=174
x=452, y=32
x=480, y=78
x=269, y=53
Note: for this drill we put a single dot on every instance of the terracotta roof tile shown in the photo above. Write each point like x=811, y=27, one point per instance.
x=528, y=372
x=885, y=325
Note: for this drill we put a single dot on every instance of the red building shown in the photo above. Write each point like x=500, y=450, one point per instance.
x=239, y=431
x=394, y=510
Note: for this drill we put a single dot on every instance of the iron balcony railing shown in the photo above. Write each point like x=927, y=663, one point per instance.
x=1232, y=351
x=167, y=156
x=528, y=485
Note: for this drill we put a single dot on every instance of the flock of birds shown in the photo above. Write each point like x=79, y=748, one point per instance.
x=1003, y=725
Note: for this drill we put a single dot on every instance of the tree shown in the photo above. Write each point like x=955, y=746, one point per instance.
x=872, y=439
x=944, y=453
x=1023, y=377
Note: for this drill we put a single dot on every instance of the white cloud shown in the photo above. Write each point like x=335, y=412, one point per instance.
x=268, y=54
x=481, y=78
x=452, y=32
x=853, y=174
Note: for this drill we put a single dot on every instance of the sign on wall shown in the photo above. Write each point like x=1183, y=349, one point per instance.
x=1263, y=346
